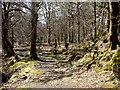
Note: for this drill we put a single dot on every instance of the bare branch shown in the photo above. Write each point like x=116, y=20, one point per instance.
x=40, y=4
x=15, y=9
x=22, y=5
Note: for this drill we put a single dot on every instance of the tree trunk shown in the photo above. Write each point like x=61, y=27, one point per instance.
x=72, y=36
x=12, y=38
x=78, y=22
x=66, y=36
x=114, y=31
x=33, y=34
x=49, y=27
x=95, y=30
x=6, y=45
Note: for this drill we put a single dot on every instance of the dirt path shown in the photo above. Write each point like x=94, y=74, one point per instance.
x=62, y=77
x=89, y=79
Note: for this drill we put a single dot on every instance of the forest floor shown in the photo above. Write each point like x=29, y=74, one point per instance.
x=62, y=78
x=53, y=74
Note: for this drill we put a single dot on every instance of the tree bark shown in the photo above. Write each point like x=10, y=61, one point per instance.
x=95, y=30
x=33, y=34
x=78, y=21
x=49, y=27
x=114, y=31
x=6, y=45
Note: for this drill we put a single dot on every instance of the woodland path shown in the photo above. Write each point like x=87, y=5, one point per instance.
x=87, y=79
x=62, y=75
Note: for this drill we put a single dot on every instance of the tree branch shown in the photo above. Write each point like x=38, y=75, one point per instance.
x=39, y=6
x=22, y=5
x=15, y=9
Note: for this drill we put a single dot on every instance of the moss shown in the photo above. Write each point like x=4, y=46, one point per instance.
x=98, y=69
x=69, y=51
x=116, y=63
x=60, y=51
x=54, y=51
x=31, y=63
x=28, y=70
x=116, y=57
x=65, y=53
x=22, y=63
x=11, y=60
x=66, y=78
x=92, y=54
x=112, y=77
x=78, y=57
x=2, y=88
x=108, y=66
x=117, y=86
x=87, y=57
x=14, y=77
x=17, y=65
x=22, y=87
x=109, y=86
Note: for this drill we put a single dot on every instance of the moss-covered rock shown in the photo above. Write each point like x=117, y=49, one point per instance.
x=11, y=60
x=22, y=87
x=87, y=57
x=23, y=70
x=98, y=69
x=112, y=77
x=116, y=63
x=108, y=66
x=18, y=65
x=109, y=86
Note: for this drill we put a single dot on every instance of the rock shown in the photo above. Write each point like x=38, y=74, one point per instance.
x=116, y=63
x=23, y=77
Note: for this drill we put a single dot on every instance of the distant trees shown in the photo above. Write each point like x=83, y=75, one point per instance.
x=58, y=22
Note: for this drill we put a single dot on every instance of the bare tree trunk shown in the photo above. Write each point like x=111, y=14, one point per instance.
x=114, y=30
x=72, y=37
x=102, y=20
x=95, y=30
x=109, y=22
x=33, y=34
x=78, y=21
x=12, y=38
x=69, y=25
x=6, y=45
x=62, y=35
x=49, y=27
x=66, y=36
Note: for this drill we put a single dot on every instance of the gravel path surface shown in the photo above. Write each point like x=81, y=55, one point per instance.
x=63, y=76
x=86, y=79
